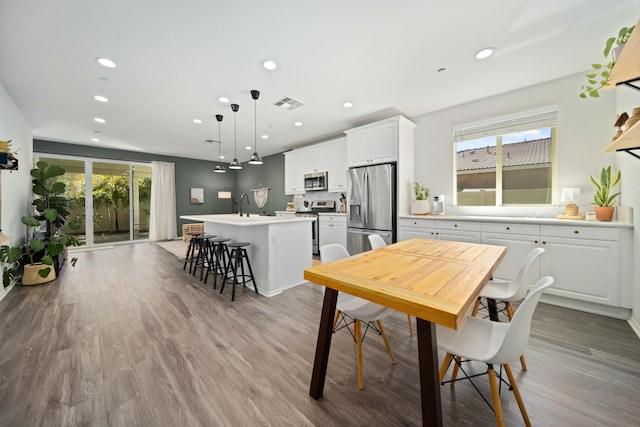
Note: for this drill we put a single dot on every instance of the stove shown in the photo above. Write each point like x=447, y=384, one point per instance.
x=316, y=207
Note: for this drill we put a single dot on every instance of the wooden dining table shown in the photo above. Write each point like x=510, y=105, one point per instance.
x=436, y=281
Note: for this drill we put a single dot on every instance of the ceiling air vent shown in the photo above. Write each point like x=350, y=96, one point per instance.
x=288, y=103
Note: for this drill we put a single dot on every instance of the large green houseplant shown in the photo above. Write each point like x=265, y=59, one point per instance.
x=51, y=212
x=604, y=198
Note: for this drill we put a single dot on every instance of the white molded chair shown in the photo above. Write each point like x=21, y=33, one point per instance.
x=506, y=291
x=376, y=242
x=493, y=343
x=358, y=309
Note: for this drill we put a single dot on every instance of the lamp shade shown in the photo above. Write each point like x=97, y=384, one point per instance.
x=570, y=195
x=224, y=194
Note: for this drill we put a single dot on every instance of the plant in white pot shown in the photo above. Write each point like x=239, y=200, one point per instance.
x=421, y=205
x=603, y=197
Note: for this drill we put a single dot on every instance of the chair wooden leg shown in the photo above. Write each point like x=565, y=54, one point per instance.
x=410, y=325
x=456, y=366
x=335, y=319
x=445, y=366
x=516, y=393
x=386, y=342
x=495, y=396
x=356, y=331
x=510, y=313
x=476, y=306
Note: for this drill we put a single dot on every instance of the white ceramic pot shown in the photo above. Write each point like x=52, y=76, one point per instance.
x=420, y=207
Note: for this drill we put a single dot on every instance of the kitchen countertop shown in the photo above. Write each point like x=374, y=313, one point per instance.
x=331, y=213
x=521, y=220
x=252, y=220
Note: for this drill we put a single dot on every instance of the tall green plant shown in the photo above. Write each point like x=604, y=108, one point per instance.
x=603, y=196
x=50, y=208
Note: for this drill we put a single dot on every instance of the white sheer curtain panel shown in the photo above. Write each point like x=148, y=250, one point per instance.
x=163, y=202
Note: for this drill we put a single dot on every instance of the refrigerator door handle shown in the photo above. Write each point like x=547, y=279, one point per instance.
x=365, y=197
x=366, y=233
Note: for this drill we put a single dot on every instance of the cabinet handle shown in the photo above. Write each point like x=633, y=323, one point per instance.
x=535, y=241
x=455, y=225
x=508, y=228
x=544, y=242
x=576, y=232
x=415, y=223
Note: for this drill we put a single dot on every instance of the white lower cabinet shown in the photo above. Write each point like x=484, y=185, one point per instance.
x=332, y=229
x=585, y=266
x=440, y=230
x=591, y=265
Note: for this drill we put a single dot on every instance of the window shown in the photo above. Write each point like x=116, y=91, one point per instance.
x=506, y=162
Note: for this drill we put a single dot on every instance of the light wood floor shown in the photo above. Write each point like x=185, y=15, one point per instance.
x=127, y=338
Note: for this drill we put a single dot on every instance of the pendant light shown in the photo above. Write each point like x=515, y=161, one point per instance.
x=219, y=168
x=235, y=164
x=255, y=159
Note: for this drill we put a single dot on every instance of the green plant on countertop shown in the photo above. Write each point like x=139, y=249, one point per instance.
x=598, y=78
x=421, y=192
x=603, y=198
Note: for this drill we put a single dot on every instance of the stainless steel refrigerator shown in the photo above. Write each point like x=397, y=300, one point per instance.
x=371, y=205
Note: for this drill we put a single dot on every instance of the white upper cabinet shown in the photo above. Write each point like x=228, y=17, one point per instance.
x=294, y=169
x=315, y=158
x=373, y=144
x=337, y=165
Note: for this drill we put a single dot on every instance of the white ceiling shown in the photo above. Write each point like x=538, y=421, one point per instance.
x=175, y=58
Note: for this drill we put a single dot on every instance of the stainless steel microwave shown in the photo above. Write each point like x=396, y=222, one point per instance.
x=316, y=181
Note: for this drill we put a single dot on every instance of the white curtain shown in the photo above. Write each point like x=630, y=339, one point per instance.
x=163, y=202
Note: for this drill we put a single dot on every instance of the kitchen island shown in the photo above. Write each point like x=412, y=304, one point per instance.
x=280, y=246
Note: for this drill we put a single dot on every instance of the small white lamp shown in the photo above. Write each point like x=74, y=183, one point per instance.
x=571, y=196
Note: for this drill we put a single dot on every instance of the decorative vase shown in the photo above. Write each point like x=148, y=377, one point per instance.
x=420, y=207
x=30, y=275
x=604, y=213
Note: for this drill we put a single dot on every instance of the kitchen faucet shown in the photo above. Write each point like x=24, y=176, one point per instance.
x=244, y=196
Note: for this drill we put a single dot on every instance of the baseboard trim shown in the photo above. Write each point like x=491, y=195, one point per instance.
x=7, y=289
x=635, y=326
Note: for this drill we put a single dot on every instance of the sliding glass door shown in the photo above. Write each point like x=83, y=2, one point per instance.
x=110, y=199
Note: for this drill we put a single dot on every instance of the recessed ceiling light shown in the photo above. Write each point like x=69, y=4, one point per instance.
x=223, y=99
x=269, y=65
x=485, y=53
x=105, y=62
x=222, y=157
x=95, y=139
x=197, y=121
x=248, y=148
x=347, y=105
x=101, y=98
x=297, y=124
x=99, y=120
x=265, y=136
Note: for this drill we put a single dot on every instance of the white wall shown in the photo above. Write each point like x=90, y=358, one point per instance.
x=15, y=185
x=584, y=130
x=626, y=100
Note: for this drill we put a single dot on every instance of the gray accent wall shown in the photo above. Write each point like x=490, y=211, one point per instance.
x=190, y=173
x=269, y=174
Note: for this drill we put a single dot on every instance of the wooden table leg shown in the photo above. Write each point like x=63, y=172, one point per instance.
x=324, y=343
x=429, y=375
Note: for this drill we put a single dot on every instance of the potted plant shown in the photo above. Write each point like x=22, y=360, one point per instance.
x=598, y=78
x=420, y=206
x=603, y=197
x=43, y=249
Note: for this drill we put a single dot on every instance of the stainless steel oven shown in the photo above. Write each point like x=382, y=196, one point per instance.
x=315, y=228
x=316, y=207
